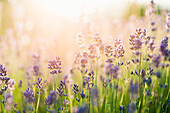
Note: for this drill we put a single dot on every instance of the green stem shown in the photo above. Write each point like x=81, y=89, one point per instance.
x=47, y=109
x=60, y=104
x=116, y=98
x=1, y=103
x=89, y=101
x=96, y=71
x=70, y=101
x=38, y=102
x=65, y=104
x=54, y=88
x=55, y=78
x=107, y=97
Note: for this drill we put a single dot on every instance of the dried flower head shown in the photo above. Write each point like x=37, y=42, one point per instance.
x=101, y=48
x=168, y=21
x=80, y=38
x=85, y=54
x=108, y=50
x=136, y=40
x=118, y=48
x=151, y=8
x=92, y=51
x=55, y=66
x=84, y=62
x=97, y=39
x=77, y=58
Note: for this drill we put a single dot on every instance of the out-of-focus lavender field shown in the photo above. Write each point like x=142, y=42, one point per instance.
x=84, y=57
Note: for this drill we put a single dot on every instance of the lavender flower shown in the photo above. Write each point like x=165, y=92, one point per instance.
x=168, y=21
x=97, y=39
x=113, y=71
x=136, y=40
x=11, y=84
x=121, y=108
x=82, y=109
x=3, y=71
x=131, y=107
x=118, y=47
x=20, y=83
x=148, y=80
x=149, y=71
x=151, y=45
x=82, y=95
x=8, y=101
x=5, y=80
x=104, y=81
x=84, y=62
x=156, y=59
x=163, y=49
x=55, y=66
x=29, y=95
x=64, y=85
x=75, y=89
x=77, y=58
x=36, y=70
x=91, y=74
x=52, y=98
x=60, y=90
x=108, y=50
x=92, y=51
x=101, y=48
x=39, y=84
x=95, y=93
x=133, y=89
x=142, y=73
x=158, y=74
x=87, y=82
x=80, y=38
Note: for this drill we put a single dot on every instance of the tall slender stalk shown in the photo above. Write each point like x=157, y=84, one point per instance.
x=54, y=88
x=60, y=104
x=96, y=71
x=1, y=98
x=116, y=97
x=38, y=102
x=65, y=102
x=70, y=101
x=89, y=101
